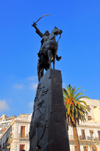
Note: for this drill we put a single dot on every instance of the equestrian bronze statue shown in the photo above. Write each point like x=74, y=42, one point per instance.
x=48, y=49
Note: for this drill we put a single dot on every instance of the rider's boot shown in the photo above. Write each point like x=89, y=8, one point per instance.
x=58, y=58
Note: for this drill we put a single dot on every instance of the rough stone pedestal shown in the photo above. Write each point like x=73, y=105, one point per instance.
x=48, y=124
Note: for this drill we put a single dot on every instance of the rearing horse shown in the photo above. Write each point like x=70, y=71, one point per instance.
x=49, y=52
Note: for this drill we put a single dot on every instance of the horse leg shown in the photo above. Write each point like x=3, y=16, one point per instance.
x=54, y=56
x=40, y=74
x=49, y=58
x=40, y=71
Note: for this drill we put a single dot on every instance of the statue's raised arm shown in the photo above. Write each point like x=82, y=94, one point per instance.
x=37, y=30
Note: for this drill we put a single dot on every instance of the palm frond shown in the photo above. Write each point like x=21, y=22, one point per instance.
x=64, y=98
x=69, y=91
x=81, y=97
x=77, y=90
x=80, y=93
x=83, y=102
x=65, y=92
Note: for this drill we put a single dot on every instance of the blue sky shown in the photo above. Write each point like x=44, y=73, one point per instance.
x=79, y=47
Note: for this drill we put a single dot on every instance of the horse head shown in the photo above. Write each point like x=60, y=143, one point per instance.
x=56, y=31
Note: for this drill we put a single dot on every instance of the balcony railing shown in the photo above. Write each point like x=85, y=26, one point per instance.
x=71, y=137
x=90, y=138
x=26, y=136
x=87, y=138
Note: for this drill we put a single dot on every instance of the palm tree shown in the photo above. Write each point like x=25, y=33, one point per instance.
x=76, y=109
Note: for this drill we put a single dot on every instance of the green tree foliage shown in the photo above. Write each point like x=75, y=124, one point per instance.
x=76, y=108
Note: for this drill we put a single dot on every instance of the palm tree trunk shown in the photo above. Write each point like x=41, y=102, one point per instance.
x=76, y=138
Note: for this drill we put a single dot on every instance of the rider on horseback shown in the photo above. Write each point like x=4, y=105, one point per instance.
x=44, y=37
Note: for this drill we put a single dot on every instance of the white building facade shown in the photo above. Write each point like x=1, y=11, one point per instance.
x=88, y=131
x=16, y=137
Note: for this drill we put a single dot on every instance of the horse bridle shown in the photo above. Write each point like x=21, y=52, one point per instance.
x=59, y=38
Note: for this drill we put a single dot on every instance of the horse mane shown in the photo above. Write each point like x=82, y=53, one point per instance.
x=52, y=35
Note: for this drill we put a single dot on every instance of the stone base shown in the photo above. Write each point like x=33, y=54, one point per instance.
x=48, y=124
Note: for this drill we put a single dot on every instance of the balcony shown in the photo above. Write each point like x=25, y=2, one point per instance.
x=23, y=137
x=86, y=138
x=71, y=137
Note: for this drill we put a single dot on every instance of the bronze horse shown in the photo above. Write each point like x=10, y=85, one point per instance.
x=48, y=52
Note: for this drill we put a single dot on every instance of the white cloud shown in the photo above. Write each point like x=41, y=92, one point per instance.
x=30, y=104
x=33, y=86
x=32, y=78
x=3, y=105
x=18, y=86
x=63, y=85
x=27, y=83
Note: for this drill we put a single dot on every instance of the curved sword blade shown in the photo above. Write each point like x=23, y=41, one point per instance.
x=42, y=16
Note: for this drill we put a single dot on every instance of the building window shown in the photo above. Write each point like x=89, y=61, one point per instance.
x=85, y=148
x=94, y=148
x=22, y=131
x=89, y=118
x=83, y=134
x=91, y=134
x=22, y=147
x=99, y=135
x=88, y=107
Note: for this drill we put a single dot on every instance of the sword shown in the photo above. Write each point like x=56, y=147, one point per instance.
x=34, y=23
